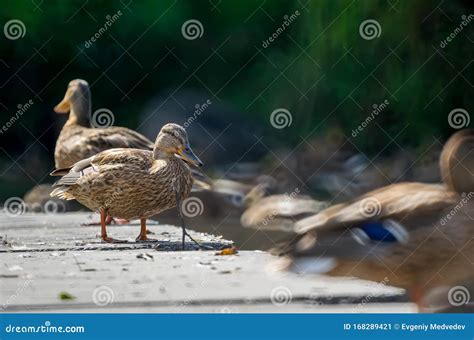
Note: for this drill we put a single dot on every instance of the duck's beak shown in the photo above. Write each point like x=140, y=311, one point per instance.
x=188, y=155
x=65, y=105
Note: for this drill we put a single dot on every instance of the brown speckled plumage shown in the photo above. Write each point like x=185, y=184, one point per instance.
x=131, y=183
x=78, y=140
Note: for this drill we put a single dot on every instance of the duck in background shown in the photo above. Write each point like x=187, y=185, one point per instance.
x=280, y=212
x=132, y=183
x=78, y=139
x=412, y=235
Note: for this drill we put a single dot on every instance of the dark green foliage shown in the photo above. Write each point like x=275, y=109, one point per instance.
x=131, y=63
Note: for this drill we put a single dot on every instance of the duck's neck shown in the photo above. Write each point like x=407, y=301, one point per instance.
x=80, y=111
x=160, y=154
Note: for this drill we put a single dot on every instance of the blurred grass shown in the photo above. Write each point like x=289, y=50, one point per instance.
x=319, y=68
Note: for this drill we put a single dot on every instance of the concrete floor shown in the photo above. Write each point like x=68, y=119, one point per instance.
x=52, y=264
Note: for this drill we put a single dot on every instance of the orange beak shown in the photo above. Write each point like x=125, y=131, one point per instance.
x=64, y=106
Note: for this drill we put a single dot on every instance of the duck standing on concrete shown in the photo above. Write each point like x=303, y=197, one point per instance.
x=78, y=140
x=132, y=183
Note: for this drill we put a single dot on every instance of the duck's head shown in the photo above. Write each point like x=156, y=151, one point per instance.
x=76, y=100
x=457, y=162
x=173, y=141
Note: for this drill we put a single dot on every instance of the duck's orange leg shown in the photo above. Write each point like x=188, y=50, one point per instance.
x=108, y=221
x=143, y=232
x=103, y=228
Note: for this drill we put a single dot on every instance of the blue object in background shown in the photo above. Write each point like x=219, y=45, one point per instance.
x=380, y=231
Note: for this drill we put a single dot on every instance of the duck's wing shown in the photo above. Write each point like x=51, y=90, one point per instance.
x=397, y=201
x=97, y=140
x=131, y=158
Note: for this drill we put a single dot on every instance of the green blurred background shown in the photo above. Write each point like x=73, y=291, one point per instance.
x=319, y=68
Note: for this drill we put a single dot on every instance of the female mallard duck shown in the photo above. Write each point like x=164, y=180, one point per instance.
x=78, y=140
x=413, y=235
x=132, y=183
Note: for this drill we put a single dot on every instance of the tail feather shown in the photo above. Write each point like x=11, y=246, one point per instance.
x=60, y=172
x=62, y=193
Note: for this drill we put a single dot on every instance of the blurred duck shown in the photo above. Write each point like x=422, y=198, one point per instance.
x=412, y=235
x=132, y=183
x=78, y=140
x=241, y=194
x=279, y=212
